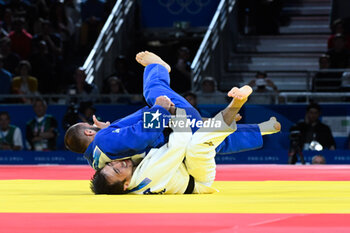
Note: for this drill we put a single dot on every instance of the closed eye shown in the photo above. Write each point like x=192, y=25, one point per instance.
x=116, y=170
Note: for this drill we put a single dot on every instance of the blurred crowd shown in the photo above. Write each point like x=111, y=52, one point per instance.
x=42, y=44
x=331, y=76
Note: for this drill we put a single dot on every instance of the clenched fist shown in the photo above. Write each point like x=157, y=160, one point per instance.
x=165, y=102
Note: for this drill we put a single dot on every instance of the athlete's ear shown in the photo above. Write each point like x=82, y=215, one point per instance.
x=126, y=185
x=89, y=132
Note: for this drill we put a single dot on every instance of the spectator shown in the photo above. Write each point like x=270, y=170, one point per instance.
x=209, y=93
x=6, y=23
x=24, y=83
x=318, y=159
x=62, y=25
x=265, y=90
x=10, y=135
x=181, y=72
x=10, y=59
x=72, y=10
x=312, y=130
x=115, y=88
x=82, y=113
x=53, y=40
x=44, y=69
x=71, y=116
x=21, y=40
x=82, y=88
x=41, y=132
x=326, y=80
x=339, y=56
x=42, y=9
x=345, y=81
x=192, y=99
x=5, y=80
x=338, y=28
x=132, y=83
x=87, y=110
x=245, y=16
x=93, y=14
x=267, y=16
x=54, y=53
x=25, y=9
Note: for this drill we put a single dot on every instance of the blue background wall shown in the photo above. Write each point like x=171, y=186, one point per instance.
x=197, y=13
x=274, y=151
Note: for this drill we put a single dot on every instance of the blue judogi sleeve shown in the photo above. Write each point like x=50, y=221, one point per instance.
x=115, y=142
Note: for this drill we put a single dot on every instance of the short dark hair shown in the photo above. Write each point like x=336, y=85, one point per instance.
x=323, y=56
x=5, y=40
x=339, y=36
x=313, y=105
x=100, y=185
x=262, y=73
x=26, y=64
x=5, y=114
x=322, y=159
x=336, y=23
x=39, y=99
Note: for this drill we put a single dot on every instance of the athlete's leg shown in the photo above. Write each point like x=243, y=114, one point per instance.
x=200, y=152
x=156, y=82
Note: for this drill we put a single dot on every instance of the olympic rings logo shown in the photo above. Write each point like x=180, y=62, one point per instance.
x=176, y=7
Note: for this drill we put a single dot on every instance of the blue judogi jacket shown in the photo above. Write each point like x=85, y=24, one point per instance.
x=125, y=138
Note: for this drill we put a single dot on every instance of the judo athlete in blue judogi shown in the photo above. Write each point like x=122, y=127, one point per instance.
x=128, y=137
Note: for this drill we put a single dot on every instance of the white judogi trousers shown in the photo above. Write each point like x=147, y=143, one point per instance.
x=167, y=169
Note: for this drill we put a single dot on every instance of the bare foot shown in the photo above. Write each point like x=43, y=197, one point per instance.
x=239, y=95
x=276, y=124
x=269, y=127
x=238, y=117
x=146, y=58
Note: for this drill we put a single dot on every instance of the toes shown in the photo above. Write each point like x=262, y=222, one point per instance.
x=277, y=126
x=233, y=92
x=140, y=54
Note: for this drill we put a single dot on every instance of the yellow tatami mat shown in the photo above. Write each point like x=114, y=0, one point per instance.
x=74, y=196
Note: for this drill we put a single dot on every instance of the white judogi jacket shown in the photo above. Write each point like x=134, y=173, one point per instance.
x=163, y=170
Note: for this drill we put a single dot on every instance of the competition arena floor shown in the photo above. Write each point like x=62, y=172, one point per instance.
x=252, y=198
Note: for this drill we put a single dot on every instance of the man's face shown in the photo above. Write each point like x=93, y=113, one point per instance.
x=324, y=63
x=313, y=115
x=208, y=87
x=118, y=171
x=4, y=122
x=39, y=108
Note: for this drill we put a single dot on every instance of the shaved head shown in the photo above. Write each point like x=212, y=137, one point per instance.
x=75, y=139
